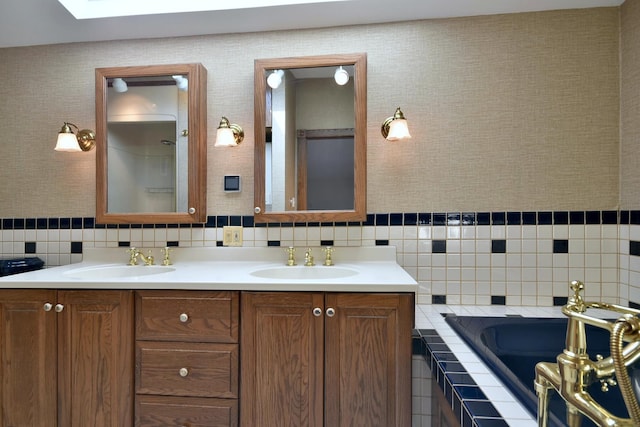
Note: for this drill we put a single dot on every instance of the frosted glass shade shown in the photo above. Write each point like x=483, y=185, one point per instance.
x=398, y=130
x=225, y=138
x=67, y=142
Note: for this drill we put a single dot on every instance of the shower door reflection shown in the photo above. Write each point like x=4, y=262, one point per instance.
x=143, y=167
x=147, y=154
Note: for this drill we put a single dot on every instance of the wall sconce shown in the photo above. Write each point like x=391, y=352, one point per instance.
x=341, y=76
x=228, y=135
x=82, y=140
x=181, y=82
x=395, y=128
x=275, y=78
x=119, y=85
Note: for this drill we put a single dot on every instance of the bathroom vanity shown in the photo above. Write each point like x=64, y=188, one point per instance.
x=222, y=337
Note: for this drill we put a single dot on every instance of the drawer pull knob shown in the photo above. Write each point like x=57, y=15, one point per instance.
x=331, y=312
x=184, y=372
x=184, y=317
x=317, y=312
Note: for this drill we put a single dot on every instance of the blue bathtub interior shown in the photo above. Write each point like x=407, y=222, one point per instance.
x=511, y=346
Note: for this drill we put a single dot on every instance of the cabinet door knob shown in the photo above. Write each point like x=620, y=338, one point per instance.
x=317, y=312
x=184, y=372
x=331, y=312
x=184, y=317
x=47, y=306
x=59, y=308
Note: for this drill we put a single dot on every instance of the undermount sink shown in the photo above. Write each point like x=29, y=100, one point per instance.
x=304, y=273
x=116, y=271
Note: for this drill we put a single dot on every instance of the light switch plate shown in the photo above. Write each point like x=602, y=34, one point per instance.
x=231, y=235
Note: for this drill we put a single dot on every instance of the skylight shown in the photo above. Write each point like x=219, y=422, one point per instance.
x=89, y=9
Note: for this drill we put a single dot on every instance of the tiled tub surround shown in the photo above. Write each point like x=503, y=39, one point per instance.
x=481, y=258
x=472, y=390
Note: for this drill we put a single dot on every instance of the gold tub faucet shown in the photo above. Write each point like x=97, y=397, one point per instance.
x=574, y=371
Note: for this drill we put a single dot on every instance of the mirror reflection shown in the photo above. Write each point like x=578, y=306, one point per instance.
x=309, y=151
x=147, y=122
x=151, y=159
x=310, y=138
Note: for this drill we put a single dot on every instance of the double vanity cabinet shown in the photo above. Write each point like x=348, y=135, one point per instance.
x=151, y=350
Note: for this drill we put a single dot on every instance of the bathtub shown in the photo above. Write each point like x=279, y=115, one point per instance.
x=511, y=347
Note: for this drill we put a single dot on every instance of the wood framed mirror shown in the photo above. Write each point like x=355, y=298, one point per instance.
x=310, y=138
x=151, y=149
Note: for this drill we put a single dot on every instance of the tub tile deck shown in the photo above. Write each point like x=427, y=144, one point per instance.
x=482, y=399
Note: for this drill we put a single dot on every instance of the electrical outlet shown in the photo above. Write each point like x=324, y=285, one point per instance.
x=232, y=236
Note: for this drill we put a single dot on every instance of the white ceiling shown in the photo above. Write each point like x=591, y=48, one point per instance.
x=38, y=22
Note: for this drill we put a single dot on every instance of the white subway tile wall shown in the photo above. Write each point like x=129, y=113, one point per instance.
x=421, y=392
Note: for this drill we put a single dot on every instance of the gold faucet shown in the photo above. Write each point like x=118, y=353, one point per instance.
x=327, y=255
x=166, y=251
x=134, y=253
x=291, y=261
x=574, y=372
x=308, y=258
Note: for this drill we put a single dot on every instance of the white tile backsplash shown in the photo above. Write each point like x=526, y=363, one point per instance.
x=528, y=273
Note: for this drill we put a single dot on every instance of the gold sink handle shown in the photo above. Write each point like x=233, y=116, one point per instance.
x=166, y=252
x=327, y=255
x=291, y=261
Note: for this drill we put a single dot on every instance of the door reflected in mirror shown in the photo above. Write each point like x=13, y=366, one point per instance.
x=325, y=172
x=150, y=165
x=310, y=157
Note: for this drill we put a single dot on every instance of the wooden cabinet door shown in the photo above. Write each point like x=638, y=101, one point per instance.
x=95, y=358
x=282, y=359
x=27, y=358
x=368, y=359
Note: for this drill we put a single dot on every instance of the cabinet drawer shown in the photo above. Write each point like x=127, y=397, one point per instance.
x=195, y=316
x=153, y=411
x=187, y=369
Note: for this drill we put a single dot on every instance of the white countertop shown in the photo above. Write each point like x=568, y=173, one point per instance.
x=369, y=269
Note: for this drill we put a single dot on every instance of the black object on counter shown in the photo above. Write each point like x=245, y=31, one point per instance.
x=20, y=265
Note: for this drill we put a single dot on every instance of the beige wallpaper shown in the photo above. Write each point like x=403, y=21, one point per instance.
x=630, y=105
x=507, y=112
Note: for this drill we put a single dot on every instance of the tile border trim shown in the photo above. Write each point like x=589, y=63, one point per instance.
x=469, y=403
x=380, y=219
